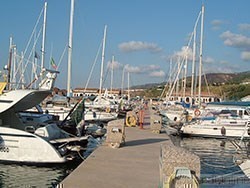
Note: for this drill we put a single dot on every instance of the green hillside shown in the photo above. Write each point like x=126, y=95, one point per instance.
x=232, y=86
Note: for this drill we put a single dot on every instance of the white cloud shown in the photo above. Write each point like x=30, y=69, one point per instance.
x=148, y=68
x=208, y=60
x=216, y=24
x=220, y=69
x=138, y=46
x=132, y=69
x=142, y=69
x=245, y=56
x=157, y=74
x=185, y=51
x=235, y=40
x=116, y=65
x=224, y=62
x=238, y=41
x=244, y=27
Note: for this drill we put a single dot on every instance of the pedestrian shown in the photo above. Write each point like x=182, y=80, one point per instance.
x=141, y=117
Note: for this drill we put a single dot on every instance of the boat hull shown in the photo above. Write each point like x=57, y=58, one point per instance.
x=20, y=146
x=214, y=131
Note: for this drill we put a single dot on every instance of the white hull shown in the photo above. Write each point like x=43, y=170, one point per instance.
x=61, y=112
x=172, y=115
x=236, y=131
x=20, y=146
x=245, y=167
x=99, y=116
x=177, y=115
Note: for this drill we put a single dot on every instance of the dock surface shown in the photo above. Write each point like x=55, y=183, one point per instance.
x=133, y=165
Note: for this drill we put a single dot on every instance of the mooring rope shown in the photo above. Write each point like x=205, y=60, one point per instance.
x=224, y=175
x=219, y=166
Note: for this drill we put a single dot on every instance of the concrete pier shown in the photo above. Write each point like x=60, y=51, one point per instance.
x=133, y=165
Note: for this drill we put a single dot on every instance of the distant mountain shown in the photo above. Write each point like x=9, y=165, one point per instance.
x=211, y=79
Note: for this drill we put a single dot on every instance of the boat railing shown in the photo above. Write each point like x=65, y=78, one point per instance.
x=247, y=129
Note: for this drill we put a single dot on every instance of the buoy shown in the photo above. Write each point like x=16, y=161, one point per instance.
x=107, y=109
x=197, y=112
x=189, y=118
x=131, y=120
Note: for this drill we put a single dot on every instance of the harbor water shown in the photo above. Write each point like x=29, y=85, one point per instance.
x=217, y=166
x=217, y=162
x=46, y=176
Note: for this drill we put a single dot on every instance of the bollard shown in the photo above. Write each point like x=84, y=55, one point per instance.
x=115, y=133
x=155, y=123
x=178, y=167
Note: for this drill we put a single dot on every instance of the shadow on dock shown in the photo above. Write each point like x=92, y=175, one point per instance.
x=143, y=141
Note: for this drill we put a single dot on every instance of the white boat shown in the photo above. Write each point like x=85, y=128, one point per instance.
x=95, y=115
x=95, y=130
x=173, y=114
x=177, y=114
x=27, y=143
x=222, y=125
x=238, y=107
x=29, y=137
x=101, y=102
x=61, y=112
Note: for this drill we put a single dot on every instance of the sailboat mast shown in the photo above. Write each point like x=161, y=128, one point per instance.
x=185, y=76
x=44, y=36
x=9, y=65
x=123, y=72
x=193, y=65
x=193, y=82
x=200, y=63
x=103, y=54
x=112, y=74
x=128, y=88
x=70, y=48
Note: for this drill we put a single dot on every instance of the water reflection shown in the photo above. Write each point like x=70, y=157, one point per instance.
x=14, y=175
x=217, y=161
x=17, y=175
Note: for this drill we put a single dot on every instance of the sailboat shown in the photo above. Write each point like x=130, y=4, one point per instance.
x=63, y=111
x=32, y=138
x=101, y=108
x=175, y=104
x=176, y=107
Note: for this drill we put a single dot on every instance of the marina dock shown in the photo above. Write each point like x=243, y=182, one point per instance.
x=135, y=164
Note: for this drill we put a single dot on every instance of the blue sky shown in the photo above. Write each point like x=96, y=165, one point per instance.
x=141, y=34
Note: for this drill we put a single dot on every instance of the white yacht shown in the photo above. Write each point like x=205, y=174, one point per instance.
x=220, y=125
x=238, y=107
x=97, y=115
x=35, y=141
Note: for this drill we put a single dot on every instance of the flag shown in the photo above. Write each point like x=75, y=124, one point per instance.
x=52, y=62
x=36, y=55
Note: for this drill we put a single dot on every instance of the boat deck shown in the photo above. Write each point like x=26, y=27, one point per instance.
x=135, y=164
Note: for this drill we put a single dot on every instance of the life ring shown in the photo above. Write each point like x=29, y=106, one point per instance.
x=107, y=109
x=131, y=120
x=197, y=112
x=189, y=118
